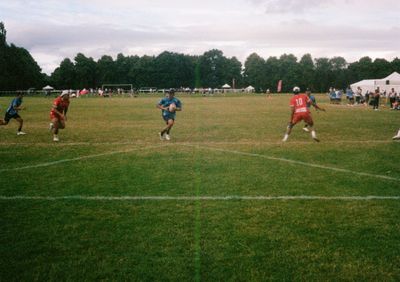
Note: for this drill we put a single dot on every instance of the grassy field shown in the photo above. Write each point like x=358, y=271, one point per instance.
x=225, y=199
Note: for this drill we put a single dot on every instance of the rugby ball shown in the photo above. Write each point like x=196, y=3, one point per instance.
x=172, y=108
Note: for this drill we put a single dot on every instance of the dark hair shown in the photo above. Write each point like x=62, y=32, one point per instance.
x=171, y=91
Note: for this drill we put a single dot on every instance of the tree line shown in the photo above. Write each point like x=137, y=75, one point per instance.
x=19, y=71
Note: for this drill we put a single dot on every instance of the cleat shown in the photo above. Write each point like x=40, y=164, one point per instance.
x=51, y=126
x=21, y=133
x=397, y=137
x=167, y=137
x=306, y=129
x=316, y=139
x=56, y=139
x=161, y=136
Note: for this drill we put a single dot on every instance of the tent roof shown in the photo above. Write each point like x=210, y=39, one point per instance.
x=393, y=76
x=249, y=87
x=226, y=86
x=48, y=87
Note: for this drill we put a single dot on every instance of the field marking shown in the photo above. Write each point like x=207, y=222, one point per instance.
x=295, y=162
x=80, y=158
x=198, y=198
x=278, y=142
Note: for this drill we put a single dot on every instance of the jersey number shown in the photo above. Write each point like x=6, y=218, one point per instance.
x=299, y=102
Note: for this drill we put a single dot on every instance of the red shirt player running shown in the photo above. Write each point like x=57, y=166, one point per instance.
x=58, y=114
x=299, y=112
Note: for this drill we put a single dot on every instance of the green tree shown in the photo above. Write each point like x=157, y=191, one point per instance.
x=64, y=77
x=85, y=69
x=307, y=72
x=106, y=71
x=255, y=71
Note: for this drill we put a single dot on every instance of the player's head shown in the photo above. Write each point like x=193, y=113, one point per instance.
x=296, y=90
x=64, y=94
x=308, y=92
x=171, y=93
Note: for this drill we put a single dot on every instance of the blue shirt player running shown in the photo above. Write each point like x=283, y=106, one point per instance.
x=313, y=101
x=168, y=106
x=12, y=113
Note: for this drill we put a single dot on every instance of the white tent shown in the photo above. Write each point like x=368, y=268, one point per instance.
x=249, y=89
x=387, y=83
x=48, y=87
x=226, y=86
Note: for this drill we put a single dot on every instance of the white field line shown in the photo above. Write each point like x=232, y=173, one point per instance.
x=295, y=162
x=198, y=198
x=80, y=158
x=51, y=144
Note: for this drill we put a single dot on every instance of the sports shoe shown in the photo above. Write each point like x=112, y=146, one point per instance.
x=397, y=137
x=167, y=137
x=306, y=129
x=55, y=138
x=51, y=126
x=316, y=139
x=161, y=136
x=21, y=133
x=285, y=138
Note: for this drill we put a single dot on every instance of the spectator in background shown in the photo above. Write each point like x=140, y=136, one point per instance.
x=375, y=102
x=350, y=96
x=367, y=94
x=358, y=95
x=392, y=98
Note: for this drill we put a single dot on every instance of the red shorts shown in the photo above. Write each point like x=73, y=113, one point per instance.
x=302, y=116
x=53, y=115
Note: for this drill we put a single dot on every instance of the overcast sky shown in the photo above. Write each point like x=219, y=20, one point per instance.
x=54, y=30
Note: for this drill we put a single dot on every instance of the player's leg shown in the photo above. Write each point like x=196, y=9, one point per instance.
x=21, y=123
x=55, y=122
x=305, y=128
x=170, y=124
x=397, y=137
x=6, y=120
x=296, y=119
x=308, y=119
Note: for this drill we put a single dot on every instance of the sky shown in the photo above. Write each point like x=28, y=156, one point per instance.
x=53, y=30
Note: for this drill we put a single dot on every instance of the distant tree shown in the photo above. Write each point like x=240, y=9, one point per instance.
x=255, y=71
x=307, y=72
x=64, y=77
x=85, y=69
x=323, y=74
x=212, y=69
x=106, y=70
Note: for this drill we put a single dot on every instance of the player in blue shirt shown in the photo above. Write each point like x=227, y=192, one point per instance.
x=12, y=112
x=313, y=101
x=169, y=112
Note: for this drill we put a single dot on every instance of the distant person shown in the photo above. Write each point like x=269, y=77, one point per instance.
x=392, y=98
x=58, y=114
x=12, y=113
x=299, y=112
x=367, y=94
x=358, y=95
x=350, y=96
x=168, y=106
x=377, y=96
x=313, y=101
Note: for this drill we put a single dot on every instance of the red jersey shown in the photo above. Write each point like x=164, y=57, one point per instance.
x=60, y=104
x=299, y=102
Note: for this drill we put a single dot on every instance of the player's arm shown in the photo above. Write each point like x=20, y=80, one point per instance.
x=317, y=107
x=18, y=108
x=57, y=111
x=65, y=113
x=178, y=106
x=161, y=107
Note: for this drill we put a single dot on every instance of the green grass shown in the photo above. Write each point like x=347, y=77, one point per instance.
x=200, y=240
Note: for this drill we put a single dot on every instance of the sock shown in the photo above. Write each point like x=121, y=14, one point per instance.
x=285, y=138
x=313, y=134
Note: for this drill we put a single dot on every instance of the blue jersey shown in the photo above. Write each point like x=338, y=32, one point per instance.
x=165, y=102
x=312, y=98
x=16, y=102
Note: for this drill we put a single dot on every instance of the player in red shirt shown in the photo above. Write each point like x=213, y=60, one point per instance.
x=58, y=114
x=300, y=111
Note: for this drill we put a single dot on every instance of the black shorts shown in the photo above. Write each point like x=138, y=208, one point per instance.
x=7, y=117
